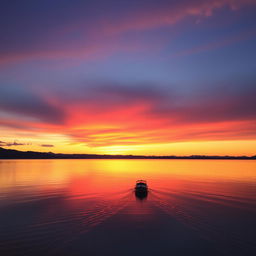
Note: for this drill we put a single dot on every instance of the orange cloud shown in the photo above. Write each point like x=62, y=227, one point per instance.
x=110, y=116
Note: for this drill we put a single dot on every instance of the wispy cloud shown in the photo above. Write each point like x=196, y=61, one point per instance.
x=23, y=101
x=11, y=144
x=245, y=35
x=47, y=145
x=86, y=33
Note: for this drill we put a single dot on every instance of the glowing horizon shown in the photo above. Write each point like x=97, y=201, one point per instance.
x=158, y=78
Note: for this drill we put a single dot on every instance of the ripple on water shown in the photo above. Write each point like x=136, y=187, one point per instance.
x=212, y=217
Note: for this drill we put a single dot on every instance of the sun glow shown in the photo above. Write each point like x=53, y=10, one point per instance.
x=237, y=148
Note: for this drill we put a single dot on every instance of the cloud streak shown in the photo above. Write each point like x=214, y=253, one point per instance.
x=47, y=145
x=23, y=101
x=134, y=115
x=245, y=35
x=11, y=144
x=87, y=33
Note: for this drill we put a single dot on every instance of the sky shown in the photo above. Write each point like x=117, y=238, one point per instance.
x=128, y=77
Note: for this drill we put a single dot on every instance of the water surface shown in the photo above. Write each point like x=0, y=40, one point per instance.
x=88, y=207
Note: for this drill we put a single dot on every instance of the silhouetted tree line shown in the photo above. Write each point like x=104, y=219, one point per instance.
x=16, y=154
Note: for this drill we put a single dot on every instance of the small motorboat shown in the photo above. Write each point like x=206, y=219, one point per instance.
x=141, y=189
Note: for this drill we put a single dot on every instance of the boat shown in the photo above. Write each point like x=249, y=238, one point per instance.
x=141, y=189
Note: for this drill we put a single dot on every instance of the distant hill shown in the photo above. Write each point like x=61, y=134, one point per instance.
x=16, y=154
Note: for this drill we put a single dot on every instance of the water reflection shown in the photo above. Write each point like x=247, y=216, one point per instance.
x=141, y=195
x=77, y=207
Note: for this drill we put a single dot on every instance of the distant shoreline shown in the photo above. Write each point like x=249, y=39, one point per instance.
x=16, y=154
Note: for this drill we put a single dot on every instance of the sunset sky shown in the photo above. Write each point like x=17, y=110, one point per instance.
x=151, y=77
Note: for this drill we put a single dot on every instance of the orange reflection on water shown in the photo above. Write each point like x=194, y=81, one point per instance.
x=81, y=177
x=82, y=194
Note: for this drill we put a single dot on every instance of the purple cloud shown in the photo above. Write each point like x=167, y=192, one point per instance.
x=47, y=145
x=10, y=144
x=22, y=101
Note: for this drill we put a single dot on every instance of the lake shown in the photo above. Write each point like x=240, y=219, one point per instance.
x=88, y=207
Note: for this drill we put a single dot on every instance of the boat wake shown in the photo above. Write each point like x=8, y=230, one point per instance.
x=210, y=216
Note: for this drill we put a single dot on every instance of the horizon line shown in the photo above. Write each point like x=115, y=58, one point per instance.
x=74, y=155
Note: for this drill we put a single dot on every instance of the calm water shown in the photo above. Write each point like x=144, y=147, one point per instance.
x=87, y=207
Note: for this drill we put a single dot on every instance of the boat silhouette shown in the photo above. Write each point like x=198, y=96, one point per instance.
x=141, y=189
